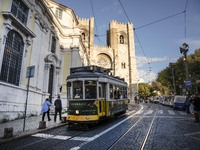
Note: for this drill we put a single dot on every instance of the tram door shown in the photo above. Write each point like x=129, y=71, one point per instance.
x=102, y=98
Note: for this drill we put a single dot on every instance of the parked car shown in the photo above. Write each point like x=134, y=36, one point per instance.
x=171, y=101
x=156, y=100
x=179, y=102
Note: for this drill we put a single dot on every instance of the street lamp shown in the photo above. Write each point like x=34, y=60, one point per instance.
x=184, y=50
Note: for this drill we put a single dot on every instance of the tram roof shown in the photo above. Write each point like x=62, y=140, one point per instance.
x=91, y=71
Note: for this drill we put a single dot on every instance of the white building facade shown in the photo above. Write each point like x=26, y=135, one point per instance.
x=41, y=34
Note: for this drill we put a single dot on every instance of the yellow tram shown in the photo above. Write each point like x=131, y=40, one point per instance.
x=93, y=95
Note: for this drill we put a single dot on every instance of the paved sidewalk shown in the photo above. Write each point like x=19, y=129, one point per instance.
x=31, y=127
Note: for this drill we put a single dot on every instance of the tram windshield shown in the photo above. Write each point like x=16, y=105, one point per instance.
x=77, y=87
x=90, y=89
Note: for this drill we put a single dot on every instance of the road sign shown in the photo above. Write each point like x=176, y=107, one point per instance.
x=30, y=71
x=188, y=83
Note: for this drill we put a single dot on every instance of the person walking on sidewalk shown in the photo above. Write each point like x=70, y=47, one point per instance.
x=45, y=109
x=187, y=104
x=58, y=108
x=196, y=104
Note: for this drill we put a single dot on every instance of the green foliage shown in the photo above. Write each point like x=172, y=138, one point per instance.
x=178, y=71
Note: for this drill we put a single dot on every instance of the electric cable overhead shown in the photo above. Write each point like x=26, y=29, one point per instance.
x=95, y=19
x=185, y=17
x=124, y=11
x=160, y=20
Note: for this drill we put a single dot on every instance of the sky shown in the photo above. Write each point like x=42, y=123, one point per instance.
x=161, y=27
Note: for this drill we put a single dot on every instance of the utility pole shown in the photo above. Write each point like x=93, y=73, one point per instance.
x=184, y=50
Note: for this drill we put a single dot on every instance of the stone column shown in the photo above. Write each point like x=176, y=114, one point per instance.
x=46, y=80
x=75, y=56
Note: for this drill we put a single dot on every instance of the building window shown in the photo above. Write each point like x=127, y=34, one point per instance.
x=12, y=58
x=123, y=65
x=59, y=13
x=121, y=39
x=53, y=44
x=20, y=11
x=83, y=36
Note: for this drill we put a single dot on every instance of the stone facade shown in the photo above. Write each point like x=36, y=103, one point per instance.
x=119, y=53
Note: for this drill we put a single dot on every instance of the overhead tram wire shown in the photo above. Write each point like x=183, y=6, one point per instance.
x=96, y=35
x=185, y=17
x=148, y=24
x=124, y=11
x=160, y=20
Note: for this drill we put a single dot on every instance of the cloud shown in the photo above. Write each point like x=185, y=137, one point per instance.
x=146, y=76
x=103, y=27
x=115, y=6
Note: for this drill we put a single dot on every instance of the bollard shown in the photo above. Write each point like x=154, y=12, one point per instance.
x=42, y=124
x=63, y=119
x=8, y=132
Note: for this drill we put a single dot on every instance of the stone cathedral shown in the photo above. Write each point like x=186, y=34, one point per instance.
x=119, y=53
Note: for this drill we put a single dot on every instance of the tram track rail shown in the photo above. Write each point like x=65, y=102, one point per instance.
x=145, y=138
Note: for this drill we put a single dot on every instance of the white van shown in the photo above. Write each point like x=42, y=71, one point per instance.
x=179, y=102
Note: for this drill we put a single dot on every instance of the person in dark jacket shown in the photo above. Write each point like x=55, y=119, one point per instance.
x=196, y=103
x=58, y=108
x=187, y=104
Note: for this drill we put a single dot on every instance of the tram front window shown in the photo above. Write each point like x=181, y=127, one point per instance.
x=78, y=89
x=90, y=89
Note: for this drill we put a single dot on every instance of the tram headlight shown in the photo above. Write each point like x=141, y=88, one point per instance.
x=77, y=112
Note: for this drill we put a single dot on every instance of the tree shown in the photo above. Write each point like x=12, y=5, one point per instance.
x=165, y=76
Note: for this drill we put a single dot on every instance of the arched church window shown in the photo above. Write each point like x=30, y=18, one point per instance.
x=121, y=39
x=12, y=58
x=123, y=65
x=83, y=36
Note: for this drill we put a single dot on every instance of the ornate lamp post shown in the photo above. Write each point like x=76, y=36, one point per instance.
x=184, y=50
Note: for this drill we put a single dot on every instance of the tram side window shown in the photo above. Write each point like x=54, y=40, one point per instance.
x=116, y=92
x=101, y=90
x=69, y=90
x=90, y=89
x=78, y=89
x=111, y=91
x=124, y=92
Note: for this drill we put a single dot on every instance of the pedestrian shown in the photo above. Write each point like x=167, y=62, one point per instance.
x=45, y=109
x=187, y=104
x=196, y=103
x=58, y=108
